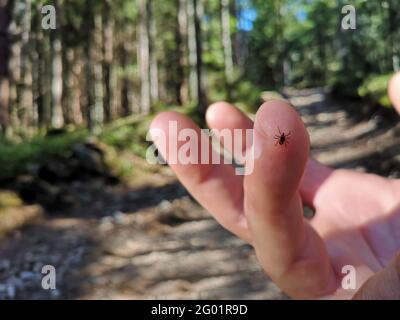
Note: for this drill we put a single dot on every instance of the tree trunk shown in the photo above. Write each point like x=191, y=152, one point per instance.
x=193, y=77
x=77, y=67
x=71, y=92
x=57, y=118
x=241, y=39
x=198, y=16
x=181, y=92
x=154, y=85
x=38, y=68
x=227, y=41
x=90, y=97
x=5, y=19
x=144, y=56
x=26, y=99
x=124, y=53
x=108, y=30
x=394, y=17
x=96, y=56
x=195, y=53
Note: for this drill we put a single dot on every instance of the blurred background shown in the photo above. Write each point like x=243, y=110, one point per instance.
x=76, y=102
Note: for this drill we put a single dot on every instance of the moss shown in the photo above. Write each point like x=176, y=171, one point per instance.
x=9, y=199
x=128, y=136
x=124, y=135
x=15, y=157
x=116, y=162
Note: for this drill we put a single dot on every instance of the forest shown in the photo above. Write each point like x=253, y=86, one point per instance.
x=111, y=59
x=76, y=100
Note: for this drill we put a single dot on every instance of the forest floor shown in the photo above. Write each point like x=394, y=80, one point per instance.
x=148, y=239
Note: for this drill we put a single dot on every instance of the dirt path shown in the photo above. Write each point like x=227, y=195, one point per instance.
x=149, y=239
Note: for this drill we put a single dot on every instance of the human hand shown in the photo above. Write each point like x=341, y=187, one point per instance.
x=357, y=216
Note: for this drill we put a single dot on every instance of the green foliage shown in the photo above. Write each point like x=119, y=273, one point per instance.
x=15, y=157
x=246, y=96
x=374, y=89
x=130, y=135
x=292, y=42
x=343, y=85
x=242, y=92
x=300, y=43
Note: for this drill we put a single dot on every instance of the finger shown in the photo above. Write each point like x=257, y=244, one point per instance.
x=289, y=249
x=223, y=115
x=216, y=187
x=313, y=182
x=394, y=91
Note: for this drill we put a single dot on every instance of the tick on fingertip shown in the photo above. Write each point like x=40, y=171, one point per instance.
x=282, y=138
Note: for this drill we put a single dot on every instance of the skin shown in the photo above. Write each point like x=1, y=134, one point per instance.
x=357, y=215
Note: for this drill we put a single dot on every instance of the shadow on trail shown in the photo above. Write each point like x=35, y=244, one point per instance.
x=23, y=255
x=382, y=162
x=97, y=198
x=350, y=141
x=70, y=240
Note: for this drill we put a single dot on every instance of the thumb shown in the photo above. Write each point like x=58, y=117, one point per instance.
x=290, y=251
x=394, y=91
x=383, y=285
